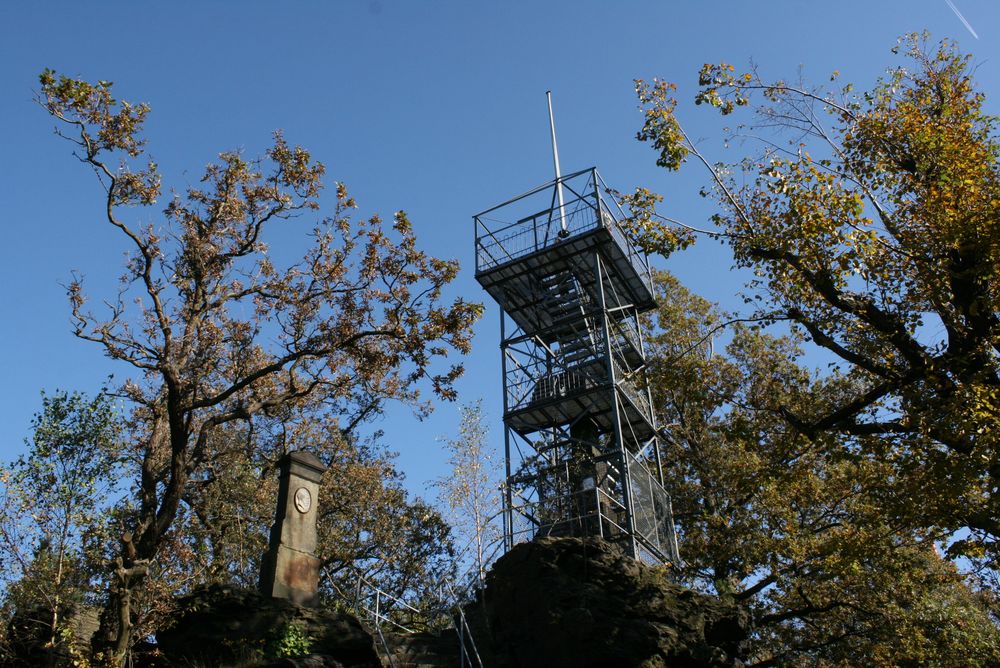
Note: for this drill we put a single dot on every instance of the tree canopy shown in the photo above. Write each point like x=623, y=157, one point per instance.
x=796, y=528
x=216, y=334
x=870, y=223
x=51, y=529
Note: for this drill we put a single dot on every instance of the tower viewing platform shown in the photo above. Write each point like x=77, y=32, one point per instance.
x=531, y=236
x=579, y=427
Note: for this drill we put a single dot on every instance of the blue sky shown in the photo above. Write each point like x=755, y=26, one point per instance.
x=437, y=108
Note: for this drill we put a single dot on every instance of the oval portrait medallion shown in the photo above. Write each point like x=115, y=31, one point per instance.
x=303, y=500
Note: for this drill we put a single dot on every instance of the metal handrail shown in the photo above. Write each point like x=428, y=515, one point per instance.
x=633, y=252
x=590, y=198
x=492, y=550
x=527, y=229
x=535, y=216
x=448, y=605
x=534, y=191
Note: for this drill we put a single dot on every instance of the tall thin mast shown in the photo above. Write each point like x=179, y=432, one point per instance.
x=555, y=161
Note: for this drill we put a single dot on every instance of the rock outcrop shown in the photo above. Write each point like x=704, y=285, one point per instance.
x=581, y=603
x=551, y=603
x=220, y=625
x=423, y=649
x=26, y=639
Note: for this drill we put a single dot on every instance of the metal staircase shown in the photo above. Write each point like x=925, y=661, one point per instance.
x=570, y=338
x=434, y=633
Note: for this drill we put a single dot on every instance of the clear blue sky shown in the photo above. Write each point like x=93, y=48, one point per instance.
x=437, y=108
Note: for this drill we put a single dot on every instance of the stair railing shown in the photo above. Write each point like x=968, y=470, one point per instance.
x=373, y=605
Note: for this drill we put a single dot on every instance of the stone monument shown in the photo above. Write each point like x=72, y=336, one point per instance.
x=290, y=567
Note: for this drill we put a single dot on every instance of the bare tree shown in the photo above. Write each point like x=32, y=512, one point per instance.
x=470, y=491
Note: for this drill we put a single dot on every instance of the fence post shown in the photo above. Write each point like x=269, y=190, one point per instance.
x=600, y=514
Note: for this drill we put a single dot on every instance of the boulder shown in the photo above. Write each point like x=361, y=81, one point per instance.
x=581, y=603
x=26, y=639
x=423, y=649
x=550, y=603
x=222, y=625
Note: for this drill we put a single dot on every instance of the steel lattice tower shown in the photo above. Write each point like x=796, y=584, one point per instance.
x=579, y=429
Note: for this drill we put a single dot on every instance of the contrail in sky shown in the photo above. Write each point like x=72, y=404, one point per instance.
x=961, y=18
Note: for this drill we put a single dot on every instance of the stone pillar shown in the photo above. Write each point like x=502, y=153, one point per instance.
x=290, y=567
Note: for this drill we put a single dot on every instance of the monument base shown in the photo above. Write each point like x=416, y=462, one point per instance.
x=290, y=574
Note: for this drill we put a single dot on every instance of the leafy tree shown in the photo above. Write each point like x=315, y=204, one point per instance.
x=368, y=524
x=51, y=511
x=800, y=530
x=223, y=523
x=217, y=335
x=874, y=231
x=470, y=490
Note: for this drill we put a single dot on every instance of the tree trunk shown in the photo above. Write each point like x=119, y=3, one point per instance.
x=114, y=636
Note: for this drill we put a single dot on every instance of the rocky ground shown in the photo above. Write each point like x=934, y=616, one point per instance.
x=551, y=603
x=227, y=626
x=581, y=603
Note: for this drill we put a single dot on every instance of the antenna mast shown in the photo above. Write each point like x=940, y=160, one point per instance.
x=555, y=161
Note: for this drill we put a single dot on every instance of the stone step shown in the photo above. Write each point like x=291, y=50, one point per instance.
x=423, y=649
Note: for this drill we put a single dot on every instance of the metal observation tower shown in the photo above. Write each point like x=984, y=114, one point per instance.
x=580, y=434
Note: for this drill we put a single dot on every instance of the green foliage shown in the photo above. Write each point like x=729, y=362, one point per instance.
x=292, y=639
x=800, y=530
x=661, y=126
x=874, y=232
x=52, y=523
x=644, y=224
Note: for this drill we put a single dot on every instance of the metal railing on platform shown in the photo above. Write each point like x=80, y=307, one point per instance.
x=533, y=221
